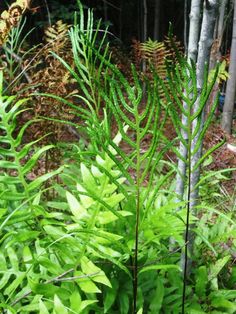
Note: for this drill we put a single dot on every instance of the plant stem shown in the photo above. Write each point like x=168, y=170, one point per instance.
x=186, y=243
x=138, y=164
x=189, y=165
x=135, y=273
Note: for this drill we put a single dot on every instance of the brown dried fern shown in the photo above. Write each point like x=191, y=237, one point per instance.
x=57, y=36
x=48, y=75
x=155, y=54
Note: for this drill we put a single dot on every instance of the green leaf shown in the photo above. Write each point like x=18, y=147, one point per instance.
x=8, y=180
x=75, y=301
x=110, y=296
x=86, y=284
x=85, y=304
x=226, y=294
x=58, y=205
x=33, y=159
x=105, y=217
x=5, y=278
x=8, y=164
x=47, y=290
x=124, y=303
x=15, y=283
x=201, y=281
x=159, y=267
x=217, y=267
x=25, y=235
x=86, y=201
x=13, y=258
x=87, y=177
x=88, y=268
x=55, y=232
x=51, y=267
x=2, y=212
x=10, y=309
x=157, y=297
x=114, y=200
x=10, y=196
x=38, y=181
x=78, y=210
x=42, y=308
x=222, y=303
x=59, y=308
x=205, y=240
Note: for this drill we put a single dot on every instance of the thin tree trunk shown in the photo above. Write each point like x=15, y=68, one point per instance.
x=144, y=64
x=206, y=39
x=221, y=25
x=192, y=55
x=194, y=29
x=227, y=116
x=186, y=26
x=156, y=30
x=120, y=21
x=218, y=35
x=144, y=20
x=215, y=51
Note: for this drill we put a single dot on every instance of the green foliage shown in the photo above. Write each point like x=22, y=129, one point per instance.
x=14, y=55
x=89, y=71
x=223, y=74
x=101, y=242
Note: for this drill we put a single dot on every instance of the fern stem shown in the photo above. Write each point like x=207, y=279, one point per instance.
x=138, y=183
x=186, y=243
x=187, y=228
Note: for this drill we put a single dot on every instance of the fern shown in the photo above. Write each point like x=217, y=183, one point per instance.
x=57, y=36
x=124, y=102
x=19, y=197
x=156, y=53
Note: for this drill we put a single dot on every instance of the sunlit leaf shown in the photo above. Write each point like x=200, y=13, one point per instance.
x=76, y=207
x=59, y=308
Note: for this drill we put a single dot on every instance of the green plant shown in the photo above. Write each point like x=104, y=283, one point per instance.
x=14, y=55
x=90, y=71
x=20, y=197
x=101, y=243
x=137, y=122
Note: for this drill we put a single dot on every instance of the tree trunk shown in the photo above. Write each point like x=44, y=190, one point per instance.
x=194, y=28
x=221, y=26
x=144, y=62
x=144, y=20
x=156, y=30
x=218, y=35
x=215, y=51
x=186, y=26
x=227, y=116
x=205, y=43
x=192, y=55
